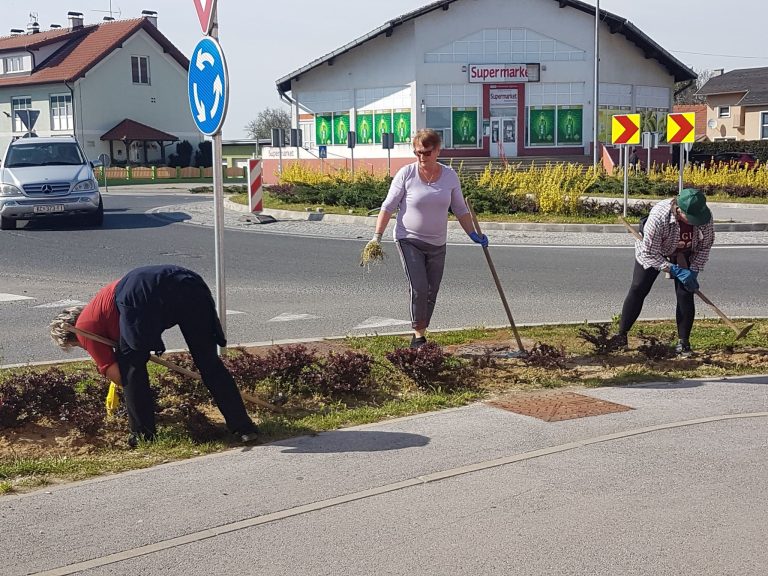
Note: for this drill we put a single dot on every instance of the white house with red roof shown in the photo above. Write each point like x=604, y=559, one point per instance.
x=120, y=87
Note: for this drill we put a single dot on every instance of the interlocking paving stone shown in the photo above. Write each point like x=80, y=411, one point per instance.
x=553, y=406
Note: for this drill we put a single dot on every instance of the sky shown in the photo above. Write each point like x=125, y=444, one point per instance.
x=264, y=40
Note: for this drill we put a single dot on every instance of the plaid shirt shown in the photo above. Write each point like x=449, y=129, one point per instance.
x=661, y=234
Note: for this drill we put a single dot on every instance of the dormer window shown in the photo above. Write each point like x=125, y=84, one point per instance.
x=13, y=64
x=140, y=69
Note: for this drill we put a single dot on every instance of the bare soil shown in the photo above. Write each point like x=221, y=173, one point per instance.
x=500, y=377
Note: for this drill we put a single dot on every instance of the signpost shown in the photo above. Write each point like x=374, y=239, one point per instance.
x=208, y=91
x=625, y=131
x=680, y=130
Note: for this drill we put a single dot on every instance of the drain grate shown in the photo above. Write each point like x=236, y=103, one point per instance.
x=557, y=406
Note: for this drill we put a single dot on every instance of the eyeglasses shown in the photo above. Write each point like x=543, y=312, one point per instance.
x=424, y=152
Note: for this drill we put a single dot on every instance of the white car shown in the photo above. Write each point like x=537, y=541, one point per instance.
x=45, y=177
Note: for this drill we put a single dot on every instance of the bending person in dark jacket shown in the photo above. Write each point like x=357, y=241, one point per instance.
x=134, y=312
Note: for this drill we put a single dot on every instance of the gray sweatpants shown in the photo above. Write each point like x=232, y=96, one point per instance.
x=423, y=264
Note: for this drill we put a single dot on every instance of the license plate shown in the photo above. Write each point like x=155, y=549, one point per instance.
x=49, y=208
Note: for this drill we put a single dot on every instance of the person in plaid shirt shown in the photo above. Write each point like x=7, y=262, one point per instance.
x=677, y=238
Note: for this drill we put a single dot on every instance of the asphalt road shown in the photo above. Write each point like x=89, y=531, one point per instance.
x=281, y=286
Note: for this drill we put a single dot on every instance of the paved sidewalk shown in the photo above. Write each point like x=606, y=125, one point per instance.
x=673, y=484
x=749, y=226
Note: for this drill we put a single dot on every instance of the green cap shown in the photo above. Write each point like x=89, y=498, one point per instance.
x=694, y=205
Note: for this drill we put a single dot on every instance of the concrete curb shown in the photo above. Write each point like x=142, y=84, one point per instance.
x=513, y=226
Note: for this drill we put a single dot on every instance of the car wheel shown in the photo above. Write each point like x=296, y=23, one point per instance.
x=7, y=224
x=97, y=218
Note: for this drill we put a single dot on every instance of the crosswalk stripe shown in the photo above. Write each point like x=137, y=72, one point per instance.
x=61, y=304
x=13, y=297
x=380, y=322
x=288, y=317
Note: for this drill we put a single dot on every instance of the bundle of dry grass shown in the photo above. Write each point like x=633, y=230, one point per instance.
x=371, y=254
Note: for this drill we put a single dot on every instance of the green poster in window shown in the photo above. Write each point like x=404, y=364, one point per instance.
x=323, y=129
x=383, y=122
x=364, y=128
x=341, y=128
x=569, y=125
x=465, y=127
x=401, y=124
x=541, y=127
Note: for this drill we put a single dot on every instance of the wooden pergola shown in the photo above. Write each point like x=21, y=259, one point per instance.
x=129, y=131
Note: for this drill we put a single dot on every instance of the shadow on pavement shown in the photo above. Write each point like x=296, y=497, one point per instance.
x=352, y=441
x=677, y=385
x=112, y=221
x=747, y=380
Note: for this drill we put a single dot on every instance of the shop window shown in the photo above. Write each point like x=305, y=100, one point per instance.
x=439, y=119
x=465, y=128
x=724, y=112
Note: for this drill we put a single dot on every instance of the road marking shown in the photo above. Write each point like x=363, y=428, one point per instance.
x=13, y=297
x=233, y=312
x=61, y=304
x=288, y=317
x=373, y=492
x=380, y=322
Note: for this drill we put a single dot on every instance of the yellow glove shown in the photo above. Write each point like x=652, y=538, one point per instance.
x=113, y=400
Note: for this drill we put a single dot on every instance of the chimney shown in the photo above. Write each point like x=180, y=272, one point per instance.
x=718, y=72
x=16, y=31
x=33, y=28
x=108, y=19
x=55, y=26
x=151, y=16
x=75, y=19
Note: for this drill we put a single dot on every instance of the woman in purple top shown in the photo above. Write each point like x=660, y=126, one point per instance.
x=422, y=193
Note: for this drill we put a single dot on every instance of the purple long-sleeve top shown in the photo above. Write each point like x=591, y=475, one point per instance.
x=423, y=208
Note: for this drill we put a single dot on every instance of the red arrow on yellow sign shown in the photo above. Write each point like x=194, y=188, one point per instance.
x=625, y=129
x=680, y=127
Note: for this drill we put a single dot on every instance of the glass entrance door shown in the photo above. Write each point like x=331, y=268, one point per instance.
x=503, y=136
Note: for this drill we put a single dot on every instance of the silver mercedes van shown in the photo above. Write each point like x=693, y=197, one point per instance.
x=46, y=177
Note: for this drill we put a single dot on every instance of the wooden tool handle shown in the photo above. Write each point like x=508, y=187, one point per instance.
x=496, y=280
x=170, y=365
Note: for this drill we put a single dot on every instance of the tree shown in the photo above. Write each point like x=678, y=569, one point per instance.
x=267, y=119
x=204, y=154
x=685, y=92
x=183, y=155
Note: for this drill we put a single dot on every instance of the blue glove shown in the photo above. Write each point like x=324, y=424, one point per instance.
x=481, y=239
x=687, y=277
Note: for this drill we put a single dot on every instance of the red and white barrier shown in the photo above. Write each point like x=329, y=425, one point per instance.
x=255, y=192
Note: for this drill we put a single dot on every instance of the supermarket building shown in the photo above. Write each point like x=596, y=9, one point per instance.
x=497, y=78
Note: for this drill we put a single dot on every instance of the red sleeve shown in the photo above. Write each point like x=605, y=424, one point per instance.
x=100, y=317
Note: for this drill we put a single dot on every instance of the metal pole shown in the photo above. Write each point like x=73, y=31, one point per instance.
x=280, y=157
x=218, y=213
x=596, y=95
x=389, y=161
x=648, y=161
x=682, y=165
x=626, y=180
x=353, y=162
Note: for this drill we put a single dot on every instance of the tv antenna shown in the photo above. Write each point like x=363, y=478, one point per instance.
x=111, y=11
